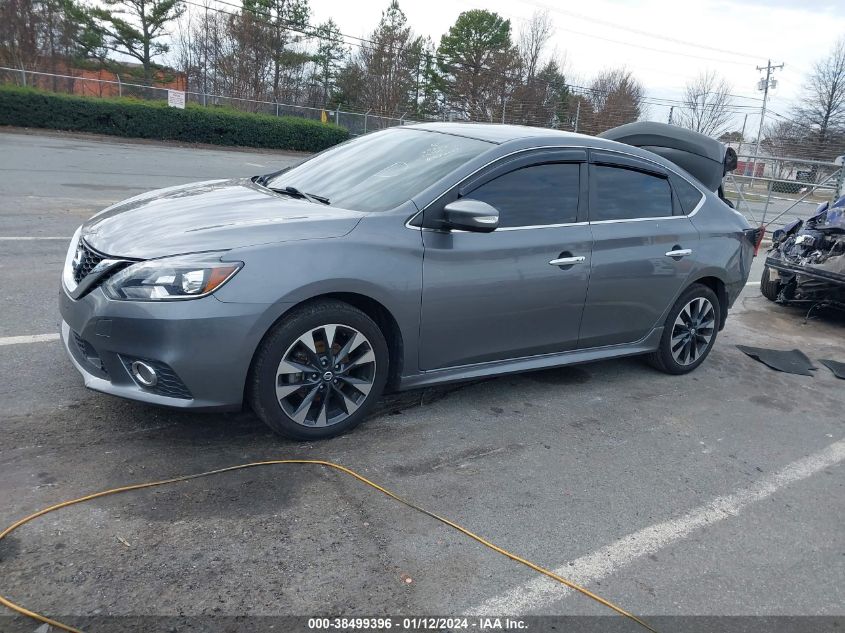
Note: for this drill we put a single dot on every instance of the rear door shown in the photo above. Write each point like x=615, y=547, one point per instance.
x=643, y=249
x=493, y=296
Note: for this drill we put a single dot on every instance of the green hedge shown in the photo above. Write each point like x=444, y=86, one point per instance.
x=134, y=118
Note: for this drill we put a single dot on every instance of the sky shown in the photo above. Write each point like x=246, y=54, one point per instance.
x=665, y=43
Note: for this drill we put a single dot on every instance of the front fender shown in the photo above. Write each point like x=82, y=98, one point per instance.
x=380, y=259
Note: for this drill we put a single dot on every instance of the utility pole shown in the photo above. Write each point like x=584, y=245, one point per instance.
x=741, y=136
x=763, y=85
x=577, y=114
x=671, y=112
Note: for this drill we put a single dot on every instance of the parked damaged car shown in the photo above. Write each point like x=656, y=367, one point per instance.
x=806, y=263
x=413, y=256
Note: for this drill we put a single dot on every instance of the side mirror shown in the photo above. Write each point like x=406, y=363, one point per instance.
x=471, y=215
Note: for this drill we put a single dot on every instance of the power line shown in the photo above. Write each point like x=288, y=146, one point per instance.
x=651, y=48
x=616, y=25
x=309, y=31
x=363, y=42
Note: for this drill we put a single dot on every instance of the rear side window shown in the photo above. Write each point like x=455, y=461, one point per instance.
x=688, y=194
x=627, y=194
x=534, y=196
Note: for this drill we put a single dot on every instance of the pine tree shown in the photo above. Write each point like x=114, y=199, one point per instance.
x=135, y=28
x=477, y=63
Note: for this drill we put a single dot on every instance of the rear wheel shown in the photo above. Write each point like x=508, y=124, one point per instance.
x=689, y=332
x=319, y=371
x=769, y=288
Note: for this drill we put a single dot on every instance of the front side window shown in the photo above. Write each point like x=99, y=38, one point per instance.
x=534, y=196
x=627, y=194
x=380, y=171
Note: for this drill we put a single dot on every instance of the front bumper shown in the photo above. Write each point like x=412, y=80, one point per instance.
x=202, y=348
x=819, y=274
x=799, y=284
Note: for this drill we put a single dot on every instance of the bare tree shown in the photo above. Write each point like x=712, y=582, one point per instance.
x=331, y=51
x=203, y=39
x=539, y=90
x=784, y=138
x=823, y=104
x=383, y=75
x=615, y=97
x=282, y=24
x=45, y=34
x=707, y=105
x=532, y=42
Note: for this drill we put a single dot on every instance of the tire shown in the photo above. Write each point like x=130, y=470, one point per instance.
x=769, y=288
x=694, y=346
x=349, y=372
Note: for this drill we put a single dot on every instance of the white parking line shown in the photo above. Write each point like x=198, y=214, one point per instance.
x=29, y=239
x=607, y=560
x=34, y=338
x=753, y=283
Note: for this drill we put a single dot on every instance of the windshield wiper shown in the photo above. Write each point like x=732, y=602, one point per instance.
x=296, y=193
x=266, y=178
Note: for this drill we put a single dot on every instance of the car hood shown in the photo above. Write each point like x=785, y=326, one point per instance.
x=208, y=216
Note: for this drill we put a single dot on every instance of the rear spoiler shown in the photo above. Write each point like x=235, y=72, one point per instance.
x=703, y=157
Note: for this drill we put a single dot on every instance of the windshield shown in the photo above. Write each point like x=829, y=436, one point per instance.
x=382, y=170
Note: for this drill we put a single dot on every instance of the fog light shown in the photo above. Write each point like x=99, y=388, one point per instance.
x=144, y=373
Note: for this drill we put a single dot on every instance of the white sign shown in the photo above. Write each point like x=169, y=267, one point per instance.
x=176, y=99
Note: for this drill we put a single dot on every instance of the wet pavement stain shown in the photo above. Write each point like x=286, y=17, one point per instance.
x=561, y=376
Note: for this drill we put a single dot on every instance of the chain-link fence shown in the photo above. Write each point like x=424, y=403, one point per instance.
x=768, y=190
x=356, y=122
x=774, y=190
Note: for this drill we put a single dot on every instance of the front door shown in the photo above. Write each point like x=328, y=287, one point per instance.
x=502, y=295
x=643, y=250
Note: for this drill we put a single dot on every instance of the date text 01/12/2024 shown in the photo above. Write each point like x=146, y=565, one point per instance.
x=418, y=623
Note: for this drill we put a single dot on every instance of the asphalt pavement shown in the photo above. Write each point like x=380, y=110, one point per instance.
x=716, y=493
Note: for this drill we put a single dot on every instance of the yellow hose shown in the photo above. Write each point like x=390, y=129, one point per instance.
x=542, y=570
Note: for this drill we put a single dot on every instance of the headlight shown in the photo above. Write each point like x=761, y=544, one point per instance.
x=182, y=277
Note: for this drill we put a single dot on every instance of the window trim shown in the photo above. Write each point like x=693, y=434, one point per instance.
x=621, y=160
x=672, y=171
x=519, y=159
x=518, y=165
x=584, y=185
x=672, y=178
x=626, y=161
x=543, y=157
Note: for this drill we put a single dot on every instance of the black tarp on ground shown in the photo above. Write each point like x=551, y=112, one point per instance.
x=835, y=366
x=789, y=361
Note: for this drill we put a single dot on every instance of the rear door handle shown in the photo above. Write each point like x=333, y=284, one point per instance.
x=568, y=261
x=681, y=252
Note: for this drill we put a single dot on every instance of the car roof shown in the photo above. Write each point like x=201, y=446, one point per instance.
x=494, y=132
x=523, y=136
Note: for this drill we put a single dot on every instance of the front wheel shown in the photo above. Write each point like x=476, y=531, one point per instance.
x=769, y=288
x=318, y=372
x=689, y=332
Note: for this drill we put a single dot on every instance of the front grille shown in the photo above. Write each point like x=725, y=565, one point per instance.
x=85, y=261
x=169, y=384
x=88, y=352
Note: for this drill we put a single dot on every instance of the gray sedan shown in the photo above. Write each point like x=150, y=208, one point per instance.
x=409, y=257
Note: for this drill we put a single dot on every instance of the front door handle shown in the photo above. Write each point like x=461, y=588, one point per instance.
x=568, y=261
x=680, y=252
